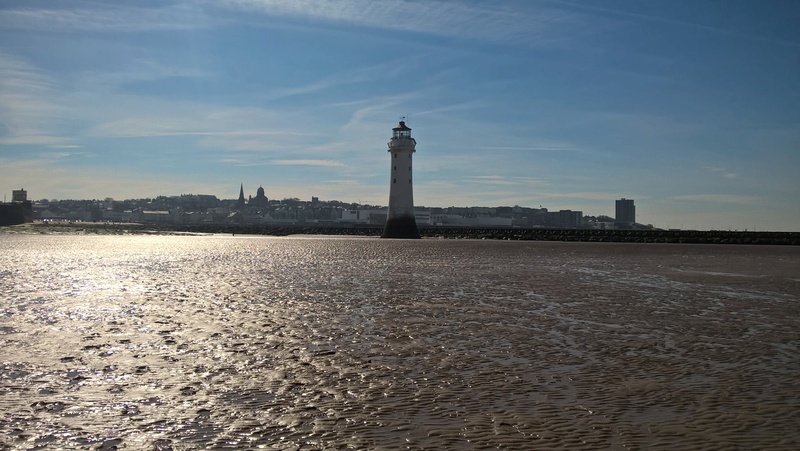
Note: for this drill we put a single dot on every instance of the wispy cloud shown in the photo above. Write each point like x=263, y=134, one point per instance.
x=593, y=7
x=169, y=126
x=111, y=18
x=533, y=148
x=60, y=155
x=139, y=127
x=27, y=108
x=46, y=177
x=229, y=129
x=585, y=195
x=381, y=71
x=718, y=198
x=463, y=106
x=364, y=119
x=20, y=76
x=47, y=140
x=721, y=171
x=505, y=180
x=326, y=163
x=456, y=19
x=141, y=70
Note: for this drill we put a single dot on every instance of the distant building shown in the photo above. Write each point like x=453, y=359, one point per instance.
x=18, y=211
x=196, y=201
x=491, y=221
x=422, y=216
x=162, y=216
x=19, y=195
x=365, y=216
x=565, y=218
x=625, y=211
x=109, y=215
x=260, y=200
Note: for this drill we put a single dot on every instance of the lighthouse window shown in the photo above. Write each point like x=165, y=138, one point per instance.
x=394, y=180
x=395, y=168
x=395, y=155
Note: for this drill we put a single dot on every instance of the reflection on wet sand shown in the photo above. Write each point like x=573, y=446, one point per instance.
x=318, y=343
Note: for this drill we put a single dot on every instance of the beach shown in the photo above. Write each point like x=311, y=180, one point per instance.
x=231, y=342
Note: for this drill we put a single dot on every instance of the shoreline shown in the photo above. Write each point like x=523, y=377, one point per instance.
x=440, y=232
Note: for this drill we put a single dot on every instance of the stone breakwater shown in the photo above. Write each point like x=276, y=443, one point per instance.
x=578, y=235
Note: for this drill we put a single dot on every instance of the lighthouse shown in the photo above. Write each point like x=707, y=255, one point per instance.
x=400, y=222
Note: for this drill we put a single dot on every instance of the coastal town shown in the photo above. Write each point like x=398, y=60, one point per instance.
x=207, y=209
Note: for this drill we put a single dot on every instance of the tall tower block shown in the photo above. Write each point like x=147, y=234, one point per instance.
x=400, y=222
x=625, y=211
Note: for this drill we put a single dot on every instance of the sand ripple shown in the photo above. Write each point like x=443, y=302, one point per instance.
x=320, y=343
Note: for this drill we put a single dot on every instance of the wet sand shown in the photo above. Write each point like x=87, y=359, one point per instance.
x=169, y=342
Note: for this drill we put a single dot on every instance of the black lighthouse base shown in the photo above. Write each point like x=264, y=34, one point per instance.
x=401, y=227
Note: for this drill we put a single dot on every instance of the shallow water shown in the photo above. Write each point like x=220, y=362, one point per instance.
x=169, y=342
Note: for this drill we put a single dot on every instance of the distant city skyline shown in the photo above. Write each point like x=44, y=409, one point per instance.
x=690, y=108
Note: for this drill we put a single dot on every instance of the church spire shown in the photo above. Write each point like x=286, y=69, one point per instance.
x=240, y=202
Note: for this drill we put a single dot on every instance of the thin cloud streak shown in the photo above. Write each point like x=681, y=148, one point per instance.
x=361, y=75
x=451, y=19
x=107, y=18
x=27, y=108
x=58, y=182
x=683, y=23
x=506, y=180
x=51, y=141
x=141, y=70
x=17, y=75
x=432, y=17
x=718, y=198
x=531, y=148
x=325, y=163
x=721, y=171
x=586, y=195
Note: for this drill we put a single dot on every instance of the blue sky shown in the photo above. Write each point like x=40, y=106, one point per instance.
x=690, y=108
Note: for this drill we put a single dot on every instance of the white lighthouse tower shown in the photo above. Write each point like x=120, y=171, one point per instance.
x=400, y=222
